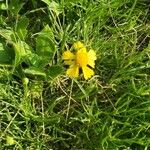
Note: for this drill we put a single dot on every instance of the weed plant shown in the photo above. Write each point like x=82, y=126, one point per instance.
x=41, y=108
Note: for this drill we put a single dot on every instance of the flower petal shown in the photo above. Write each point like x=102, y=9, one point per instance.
x=69, y=62
x=67, y=55
x=91, y=58
x=82, y=57
x=87, y=72
x=92, y=54
x=82, y=50
x=73, y=71
x=91, y=63
x=77, y=45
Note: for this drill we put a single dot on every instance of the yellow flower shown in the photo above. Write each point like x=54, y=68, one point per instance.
x=81, y=59
x=78, y=45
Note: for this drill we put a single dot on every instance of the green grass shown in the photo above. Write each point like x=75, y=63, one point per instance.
x=110, y=111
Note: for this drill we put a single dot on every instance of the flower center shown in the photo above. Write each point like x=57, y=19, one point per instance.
x=81, y=58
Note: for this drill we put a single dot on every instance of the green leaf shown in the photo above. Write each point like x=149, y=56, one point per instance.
x=54, y=71
x=21, y=49
x=6, y=56
x=45, y=46
x=36, y=61
x=22, y=27
x=7, y=34
x=34, y=71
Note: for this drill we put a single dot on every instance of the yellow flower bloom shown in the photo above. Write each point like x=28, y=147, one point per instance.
x=77, y=45
x=81, y=59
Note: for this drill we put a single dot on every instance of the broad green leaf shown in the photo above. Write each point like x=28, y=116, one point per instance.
x=6, y=56
x=36, y=61
x=7, y=34
x=34, y=71
x=54, y=71
x=21, y=49
x=45, y=46
x=22, y=27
